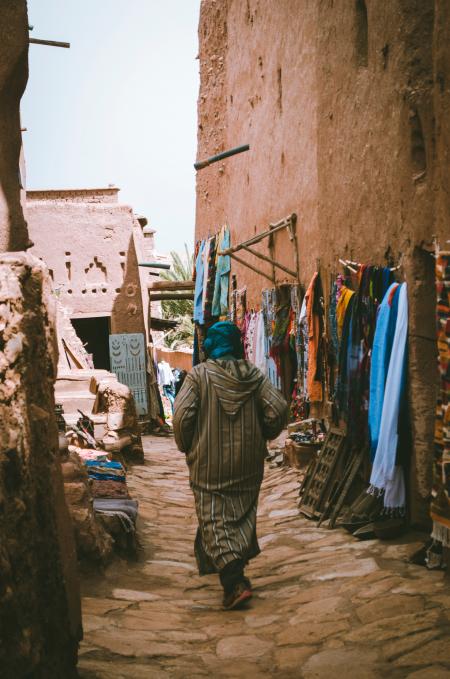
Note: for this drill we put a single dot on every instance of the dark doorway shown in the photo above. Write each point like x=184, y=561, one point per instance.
x=94, y=333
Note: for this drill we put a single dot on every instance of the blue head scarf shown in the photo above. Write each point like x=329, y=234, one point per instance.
x=222, y=339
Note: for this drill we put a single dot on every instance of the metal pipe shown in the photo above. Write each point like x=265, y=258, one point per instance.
x=220, y=156
x=154, y=265
x=50, y=43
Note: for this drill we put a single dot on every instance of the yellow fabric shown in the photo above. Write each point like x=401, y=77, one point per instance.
x=341, y=308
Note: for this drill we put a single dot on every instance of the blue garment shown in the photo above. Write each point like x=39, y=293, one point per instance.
x=199, y=280
x=221, y=284
x=169, y=393
x=385, y=472
x=223, y=338
x=381, y=354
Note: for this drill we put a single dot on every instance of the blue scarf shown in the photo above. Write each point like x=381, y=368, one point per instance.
x=223, y=339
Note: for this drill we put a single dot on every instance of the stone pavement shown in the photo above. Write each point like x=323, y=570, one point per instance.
x=325, y=605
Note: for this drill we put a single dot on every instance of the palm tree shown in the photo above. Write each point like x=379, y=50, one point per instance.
x=179, y=309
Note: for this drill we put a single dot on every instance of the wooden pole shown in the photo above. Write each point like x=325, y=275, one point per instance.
x=49, y=43
x=256, y=239
x=267, y=259
x=253, y=268
x=161, y=296
x=172, y=285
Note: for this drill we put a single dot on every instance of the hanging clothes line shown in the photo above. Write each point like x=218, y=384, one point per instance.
x=349, y=264
x=288, y=223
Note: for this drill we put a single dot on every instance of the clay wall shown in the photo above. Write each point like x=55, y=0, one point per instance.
x=345, y=107
x=91, y=242
x=40, y=614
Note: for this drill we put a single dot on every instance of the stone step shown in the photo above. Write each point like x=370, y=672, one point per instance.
x=74, y=401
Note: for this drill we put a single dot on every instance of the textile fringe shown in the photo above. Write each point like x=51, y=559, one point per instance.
x=377, y=492
x=441, y=534
x=391, y=512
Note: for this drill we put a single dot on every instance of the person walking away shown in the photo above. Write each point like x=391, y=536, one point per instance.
x=224, y=414
x=166, y=380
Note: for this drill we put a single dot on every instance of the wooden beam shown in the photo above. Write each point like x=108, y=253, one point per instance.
x=172, y=285
x=271, y=261
x=253, y=268
x=161, y=296
x=50, y=43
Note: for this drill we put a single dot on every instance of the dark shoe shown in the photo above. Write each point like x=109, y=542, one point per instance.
x=238, y=596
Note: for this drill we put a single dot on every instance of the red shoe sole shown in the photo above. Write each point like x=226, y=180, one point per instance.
x=245, y=596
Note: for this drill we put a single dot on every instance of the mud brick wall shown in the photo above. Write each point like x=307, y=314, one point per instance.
x=39, y=598
x=345, y=106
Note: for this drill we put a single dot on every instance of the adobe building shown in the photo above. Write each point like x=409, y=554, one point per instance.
x=345, y=106
x=92, y=245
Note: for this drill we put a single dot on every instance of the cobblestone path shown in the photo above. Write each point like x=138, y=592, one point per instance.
x=325, y=605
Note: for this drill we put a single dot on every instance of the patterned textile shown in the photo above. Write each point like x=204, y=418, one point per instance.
x=224, y=414
x=111, y=489
x=440, y=506
x=315, y=391
x=250, y=333
x=209, y=280
x=240, y=307
x=269, y=305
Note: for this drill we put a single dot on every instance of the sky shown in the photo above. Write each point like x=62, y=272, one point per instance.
x=119, y=107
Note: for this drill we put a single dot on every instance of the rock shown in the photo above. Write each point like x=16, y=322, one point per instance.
x=341, y=662
x=348, y=569
x=395, y=627
x=434, y=672
x=133, y=595
x=434, y=652
x=242, y=647
x=293, y=657
x=134, y=643
x=94, y=606
x=311, y=633
x=394, y=649
x=321, y=609
x=256, y=621
x=389, y=606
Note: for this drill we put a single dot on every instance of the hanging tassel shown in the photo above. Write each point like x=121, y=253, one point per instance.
x=441, y=534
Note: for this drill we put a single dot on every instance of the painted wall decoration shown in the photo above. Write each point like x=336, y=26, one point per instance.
x=127, y=353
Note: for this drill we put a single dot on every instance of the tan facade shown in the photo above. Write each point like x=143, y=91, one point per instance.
x=345, y=107
x=92, y=245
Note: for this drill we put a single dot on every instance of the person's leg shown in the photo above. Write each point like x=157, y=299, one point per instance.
x=236, y=586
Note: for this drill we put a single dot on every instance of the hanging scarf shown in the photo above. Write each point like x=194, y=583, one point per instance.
x=440, y=506
x=386, y=476
x=381, y=354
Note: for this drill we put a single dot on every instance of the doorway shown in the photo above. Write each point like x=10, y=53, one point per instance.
x=94, y=333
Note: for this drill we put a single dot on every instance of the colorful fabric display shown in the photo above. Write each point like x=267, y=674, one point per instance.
x=440, y=506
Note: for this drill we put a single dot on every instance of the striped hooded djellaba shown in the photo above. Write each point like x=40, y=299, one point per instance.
x=224, y=414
